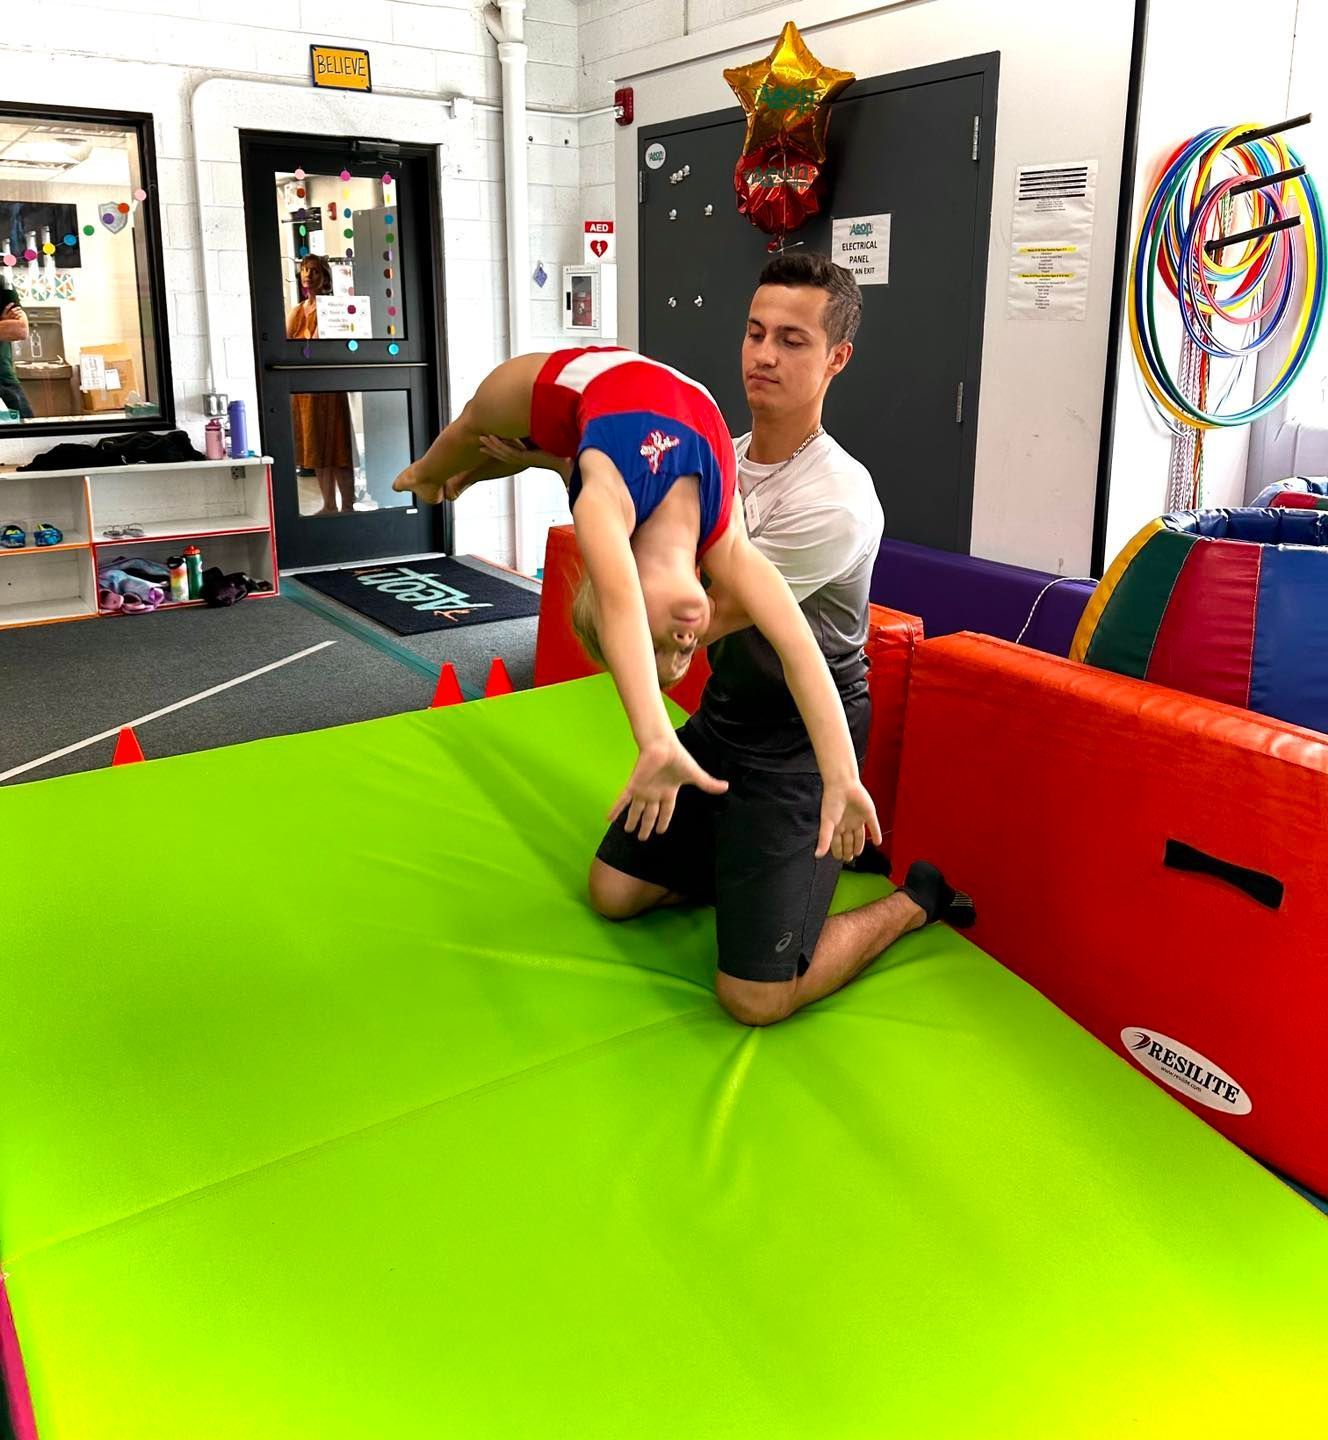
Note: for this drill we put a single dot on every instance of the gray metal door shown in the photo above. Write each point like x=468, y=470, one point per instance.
x=915, y=146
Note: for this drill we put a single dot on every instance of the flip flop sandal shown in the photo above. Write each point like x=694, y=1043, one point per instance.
x=13, y=537
x=133, y=606
x=123, y=532
x=47, y=534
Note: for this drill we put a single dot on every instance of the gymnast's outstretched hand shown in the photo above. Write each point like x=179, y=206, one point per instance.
x=662, y=768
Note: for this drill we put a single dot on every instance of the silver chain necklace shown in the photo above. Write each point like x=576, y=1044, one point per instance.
x=779, y=469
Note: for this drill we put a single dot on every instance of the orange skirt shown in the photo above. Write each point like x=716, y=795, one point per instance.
x=322, y=431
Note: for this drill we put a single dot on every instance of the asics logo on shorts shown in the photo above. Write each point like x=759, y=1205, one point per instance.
x=655, y=445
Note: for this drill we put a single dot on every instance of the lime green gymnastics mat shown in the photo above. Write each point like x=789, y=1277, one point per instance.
x=330, y=1110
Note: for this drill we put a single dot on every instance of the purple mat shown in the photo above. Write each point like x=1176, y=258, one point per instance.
x=961, y=592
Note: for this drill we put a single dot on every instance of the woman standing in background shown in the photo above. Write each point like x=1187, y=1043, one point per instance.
x=321, y=422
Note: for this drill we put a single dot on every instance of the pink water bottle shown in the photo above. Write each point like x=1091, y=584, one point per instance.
x=214, y=443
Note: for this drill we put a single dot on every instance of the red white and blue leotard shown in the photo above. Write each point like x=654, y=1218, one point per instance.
x=653, y=423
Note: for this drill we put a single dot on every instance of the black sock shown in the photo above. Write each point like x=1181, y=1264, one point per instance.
x=870, y=862
x=925, y=886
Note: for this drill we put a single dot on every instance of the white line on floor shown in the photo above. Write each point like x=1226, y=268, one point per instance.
x=165, y=710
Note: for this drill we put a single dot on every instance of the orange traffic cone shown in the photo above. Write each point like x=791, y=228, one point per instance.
x=448, y=691
x=499, y=681
x=127, y=749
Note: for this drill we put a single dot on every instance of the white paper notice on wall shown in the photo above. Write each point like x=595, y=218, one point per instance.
x=343, y=317
x=861, y=244
x=1051, y=241
x=92, y=372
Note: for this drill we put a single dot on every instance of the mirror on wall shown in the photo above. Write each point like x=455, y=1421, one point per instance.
x=78, y=288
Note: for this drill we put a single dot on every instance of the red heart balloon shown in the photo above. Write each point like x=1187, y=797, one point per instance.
x=779, y=187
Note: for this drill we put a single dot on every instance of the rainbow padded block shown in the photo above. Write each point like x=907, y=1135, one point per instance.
x=1299, y=500
x=1153, y=863
x=372, y=1128
x=1297, y=484
x=891, y=638
x=1228, y=604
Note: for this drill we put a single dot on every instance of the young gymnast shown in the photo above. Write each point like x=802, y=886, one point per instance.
x=651, y=481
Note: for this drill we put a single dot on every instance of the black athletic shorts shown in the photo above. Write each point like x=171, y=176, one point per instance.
x=750, y=853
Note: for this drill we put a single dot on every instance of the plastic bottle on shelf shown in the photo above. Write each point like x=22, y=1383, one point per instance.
x=193, y=560
x=214, y=444
x=179, y=578
x=239, y=435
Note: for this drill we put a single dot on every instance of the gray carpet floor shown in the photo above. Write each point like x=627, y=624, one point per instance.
x=62, y=683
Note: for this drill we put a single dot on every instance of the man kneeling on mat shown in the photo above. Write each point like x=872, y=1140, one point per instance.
x=812, y=510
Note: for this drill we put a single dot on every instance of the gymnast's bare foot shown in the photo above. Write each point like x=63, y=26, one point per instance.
x=456, y=485
x=410, y=481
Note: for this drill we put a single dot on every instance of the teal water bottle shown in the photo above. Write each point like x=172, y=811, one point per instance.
x=193, y=561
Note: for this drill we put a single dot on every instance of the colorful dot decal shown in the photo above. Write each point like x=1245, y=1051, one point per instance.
x=299, y=194
x=346, y=211
x=348, y=233
x=299, y=172
x=350, y=254
x=304, y=250
x=11, y=259
x=387, y=274
x=308, y=350
x=71, y=240
x=352, y=344
x=388, y=220
x=140, y=195
x=48, y=249
x=393, y=349
x=388, y=292
x=123, y=207
x=345, y=174
x=391, y=329
x=108, y=219
x=29, y=254
x=387, y=180
x=350, y=309
x=89, y=229
x=391, y=309
x=301, y=214
x=304, y=229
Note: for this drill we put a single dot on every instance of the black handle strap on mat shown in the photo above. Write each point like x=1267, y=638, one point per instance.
x=1266, y=889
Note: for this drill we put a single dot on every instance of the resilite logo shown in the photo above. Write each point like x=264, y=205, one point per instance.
x=1186, y=1071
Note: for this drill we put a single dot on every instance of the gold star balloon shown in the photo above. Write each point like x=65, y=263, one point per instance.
x=786, y=97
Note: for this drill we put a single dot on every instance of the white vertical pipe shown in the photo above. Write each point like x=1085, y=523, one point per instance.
x=512, y=55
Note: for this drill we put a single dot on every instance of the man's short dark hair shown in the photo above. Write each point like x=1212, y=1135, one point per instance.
x=843, y=306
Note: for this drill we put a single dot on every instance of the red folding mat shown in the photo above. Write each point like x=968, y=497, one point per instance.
x=1154, y=863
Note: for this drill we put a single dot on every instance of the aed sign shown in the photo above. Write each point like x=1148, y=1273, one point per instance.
x=336, y=68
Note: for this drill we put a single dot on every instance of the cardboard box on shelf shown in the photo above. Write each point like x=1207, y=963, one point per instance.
x=107, y=364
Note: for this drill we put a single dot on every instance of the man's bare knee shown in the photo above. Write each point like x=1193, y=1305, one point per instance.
x=756, y=1002
x=618, y=896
